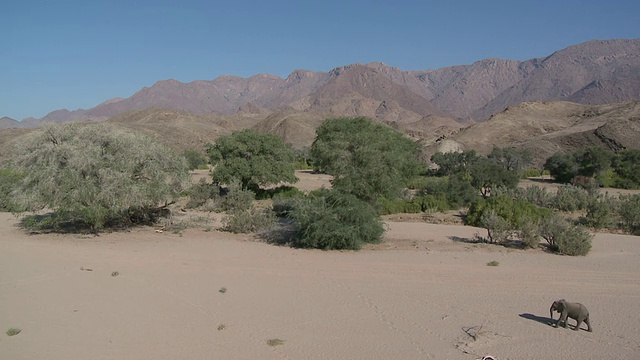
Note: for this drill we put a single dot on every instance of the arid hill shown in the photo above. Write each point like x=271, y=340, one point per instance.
x=548, y=127
x=543, y=127
x=594, y=72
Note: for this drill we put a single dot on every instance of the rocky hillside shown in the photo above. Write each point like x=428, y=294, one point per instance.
x=546, y=128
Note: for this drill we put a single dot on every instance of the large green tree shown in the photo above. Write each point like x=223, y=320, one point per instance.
x=96, y=173
x=253, y=158
x=367, y=159
x=453, y=162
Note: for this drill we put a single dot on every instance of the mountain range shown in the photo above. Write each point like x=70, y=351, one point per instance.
x=594, y=72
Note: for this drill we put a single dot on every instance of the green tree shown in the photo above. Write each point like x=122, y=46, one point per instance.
x=626, y=165
x=450, y=163
x=194, y=158
x=487, y=175
x=367, y=159
x=594, y=160
x=510, y=158
x=562, y=166
x=97, y=173
x=253, y=158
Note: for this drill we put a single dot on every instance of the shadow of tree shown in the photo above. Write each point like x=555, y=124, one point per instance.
x=473, y=240
x=541, y=319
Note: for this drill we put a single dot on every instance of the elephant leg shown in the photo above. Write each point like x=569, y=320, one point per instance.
x=578, y=322
x=586, y=321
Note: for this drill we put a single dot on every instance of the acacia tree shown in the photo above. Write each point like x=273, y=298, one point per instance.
x=367, y=159
x=487, y=174
x=96, y=173
x=253, y=158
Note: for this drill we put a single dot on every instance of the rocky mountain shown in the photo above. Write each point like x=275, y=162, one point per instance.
x=594, y=72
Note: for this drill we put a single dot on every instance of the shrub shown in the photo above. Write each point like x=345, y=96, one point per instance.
x=564, y=237
x=601, y=211
x=498, y=229
x=237, y=198
x=97, y=174
x=533, y=194
x=576, y=241
x=248, y=220
x=201, y=192
x=9, y=181
x=515, y=212
x=629, y=211
x=571, y=198
x=529, y=233
x=281, y=191
x=528, y=173
x=330, y=219
x=460, y=193
x=195, y=159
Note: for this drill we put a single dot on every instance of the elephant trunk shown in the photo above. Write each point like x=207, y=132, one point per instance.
x=551, y=312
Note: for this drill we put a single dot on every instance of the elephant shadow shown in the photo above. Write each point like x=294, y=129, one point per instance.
x=541, y=319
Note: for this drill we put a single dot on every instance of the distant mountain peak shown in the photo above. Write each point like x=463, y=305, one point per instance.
x=597, y=71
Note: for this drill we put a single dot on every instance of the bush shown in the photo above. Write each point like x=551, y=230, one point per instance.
x=97, y=174
x=237, y=198
x=201, y=192
x=601, y=212
x=533, y=194
x=281, y=191
x=576, y=241
x=460, y=193
x=195, y=160
x=571, y=198
x=564, y=237
x=248, y=221
x=529, y=233
x=498, y=229
x=515, y=212
x=528, y=173
x=330, y=219
x=629, y=211
x=9, y=181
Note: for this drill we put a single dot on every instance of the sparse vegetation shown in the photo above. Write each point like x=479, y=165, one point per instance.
x=195, y=159
x=222, y=290
x=275, y=342
x=493, y=263
x=222, y=327
x=13, y=331
x=115, y=273
x=249, y=220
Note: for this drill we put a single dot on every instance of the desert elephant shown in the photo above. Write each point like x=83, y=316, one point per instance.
x=576, y=311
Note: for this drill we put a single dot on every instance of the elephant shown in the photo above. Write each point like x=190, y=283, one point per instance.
x=576, y=311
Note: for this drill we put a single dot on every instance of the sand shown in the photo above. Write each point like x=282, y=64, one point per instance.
x=426, y=293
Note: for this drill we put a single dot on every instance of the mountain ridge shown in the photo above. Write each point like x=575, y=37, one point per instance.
x=596, y=71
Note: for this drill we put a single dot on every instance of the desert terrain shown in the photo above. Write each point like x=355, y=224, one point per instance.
x=425, y=293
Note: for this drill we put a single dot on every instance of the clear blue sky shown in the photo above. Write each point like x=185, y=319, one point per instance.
x=77, y=54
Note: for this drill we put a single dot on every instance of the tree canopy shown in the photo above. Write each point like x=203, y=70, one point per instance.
x=367, y=159
x=253, y=158
x=96, y=173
